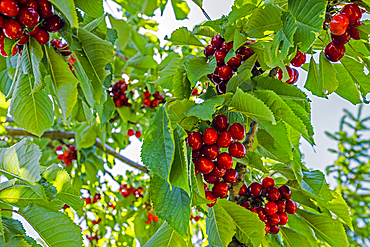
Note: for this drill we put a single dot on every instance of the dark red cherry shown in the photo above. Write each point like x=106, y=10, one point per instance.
x=14, y=51
x=220, y=189
x=231, y=176
x=209, y=51
x=339, y=24
x=225, y=72
x=285, y=192
x=225, y=161
x=215, y=79
x=224, y=139
x=32, y=4
x=243, y=190
x=299, y=59
x=353, y=13
x=2, y=36
x=196, y=153
x=23, y=40
x=53, y=24
x=283, y=219
x=147, y=102
x=1, y=20
x=220, y=123
x=12, y=29
x=226, y=47
x=220, y=57
x=218, y=171
x=237, y=150
x=45, y=9
x=334, y=52
x=221, y=88
x=211, y=179
x=217, y=41
x=273, y=219
x=9, y=8
x=353, y=32
x=272, y=194
x=42, y=36
x=267, y=228
x=235, y=62
x=33, y=31
x=341, y=39
x=255, y=189
x=268, y=182
x=281, y=205
x=28, y=17
x=211, y=152
x=294, y=79
x=291, y=207
x=23, y=2
x=237, y=131
x=210, y=136
x=244, y=205
x=211, y=197
x=204, y=165
x=195, y=140
x=274, y=229
x=271, y=208
x=245, y=52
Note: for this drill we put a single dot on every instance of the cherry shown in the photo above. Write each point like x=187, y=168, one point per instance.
x=218, y=172
x=272, y=194
x=60, y=157
x=211, y=197
x=150, y=216
x=216, y=70
x=130, y=132
x=209, y=51
x=65, y=206
x=245, y=205
x=299, y=59
x=32, y=4
x=243, y=190
x=23, y=2
x=281, y=205
x=271, y=208
x=235, y=62
x=339, y=24
x=341, y=39
x=353, y=32
x=225, y=72
x=220, y=57
x=294, y=79
x=283, y=219
x=253, y=210
x=291, y=207
x=9, y=8
x=211, y=179
x=231, y=176
x=196, y=153
x=224, y=139
x=220, y=189
x=285, y=192
x=225, y=161
x=226, y=47
x=334, y=52
x=12, y=29
x=268, y=182
x=210, y=136
x=138, y=134
x=205, y=165
x=45, y=9
x=211, y=152
x=261, y=215
x=1, y=21
x=155, y=103
x=14, y=51
x=274, y=229
x=220, y=123
x=237, y=131
x=195, y=140
x=245, y=52
x=255, y=189
x=217, y=41
x=147, y=102
x=146, y=94
x=273, y=219
x=72, y=148
x=68, y=162
x=28, y=17
x=267, y=228
x=221, y=88
x=215, y=79
x=23, y=40
x=158, y=95
x=290, y=73
x=42, y=36
x=58, y=148
x=353, y=12
x=237, y=150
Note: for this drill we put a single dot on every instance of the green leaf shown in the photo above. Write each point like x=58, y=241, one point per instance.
x=67, y=8
x=93, y=8
x=309, y=15
x=21, y=161
x=346, y=88
x=182, y=36
x=55, y=228
x=269, y=147
x=197, y=67
x=124, y=32
x=330, y=230
x=238, y=12
x=356, y=72
x=314, y=183
x=86, y=135
x=142, y=62
x=12, y=228
x=171, y=204
x=181, y=85
x=64, y=81
x=181, y=9
x=158, y=147
x=251, y=106
x=264, y=21
x=166, y=237
x=255, y=161
x=33, y=112
x=197, y=186
x=176, y=113
x=300, y=226
x=206, y=109
x=291, y=237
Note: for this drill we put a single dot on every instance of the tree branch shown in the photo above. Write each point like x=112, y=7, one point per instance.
x=71, y=135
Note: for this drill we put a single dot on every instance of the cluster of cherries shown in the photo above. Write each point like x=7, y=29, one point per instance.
x=152, y=100
x=118, y=92
x=151, y=217
x=216, y=166
x=132, y=132
x=298, y=60
x=223, y=72
x=20, y=19
x=126, y=191
x=343, y=28
x=89, y=200
x=68, y=155
x=270, y=203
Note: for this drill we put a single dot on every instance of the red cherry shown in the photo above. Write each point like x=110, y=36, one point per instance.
x=147, y=94
x=268, y=182
x=255, y=189
x=261, y=214
x=28, y=17
x=243, y=190
x=218, y=172
x=196, y=153
x=220, y=189
x=158, y=95
x=237, y=131
x=210, y=136
x=211, y=152
x=211, y=179
x=273, y=219
x=245, y=205
x=205, y=165
x=155, y=103
x=224, y=139
x=225, y=72
x=42, y=36
x=32, y=4
x=209, y=51
x=12, y=29
x=1, y=20
x=291, y=207
x=45, y=9
x=138, y=134
x=150, y=216
x=353, y=12
x=58, y=148
x=147, y=102
x=271, y=208
x=290, y=73
x=60, y=157
x=225, y=161
x=245, y=52
x=341, y=39
x=216, y=70
x=235, y=62
x=220, y=57
x=130, y=132
x=267, y=228
x=23, y=2
x=211, y=197
x=231, y=176
x=155, y=219
x=334, y=52
x=339, y=24
x=299, y=59
x=274, y=229
x=272, y=194
x=226, y=47
x=281, y=205
x=72, y=148
x=68, y=162
x=118, y=103
x=283, y=219
x=195, y=140
x=23, y=40
x=285, y=192
x=217, y=41
x=221, y=88
x=294, y=79
x=53, y=24
x=353, y=32
x=33, y=32
x=220, y=123
x=9, y=8
x=237, y=150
